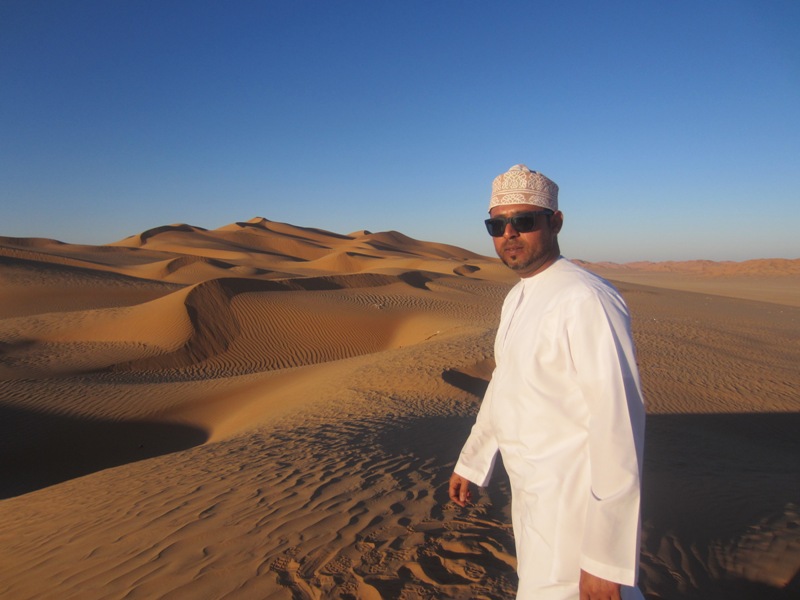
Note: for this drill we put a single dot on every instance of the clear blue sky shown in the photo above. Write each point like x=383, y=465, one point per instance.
x=671, y=127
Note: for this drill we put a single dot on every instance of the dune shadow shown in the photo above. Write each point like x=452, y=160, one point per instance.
x=712, y=479
x=747, y=463
x=465, y=270
x=418, y=279
x=38, y=450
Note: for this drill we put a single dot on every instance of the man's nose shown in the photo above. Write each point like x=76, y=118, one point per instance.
x=510, y=232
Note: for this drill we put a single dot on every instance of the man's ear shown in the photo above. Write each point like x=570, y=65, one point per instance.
x=556, y=221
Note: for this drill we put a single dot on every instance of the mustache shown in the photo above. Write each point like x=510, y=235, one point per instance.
x=512, y=246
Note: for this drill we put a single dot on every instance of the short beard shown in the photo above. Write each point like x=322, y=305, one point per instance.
x=536, y=260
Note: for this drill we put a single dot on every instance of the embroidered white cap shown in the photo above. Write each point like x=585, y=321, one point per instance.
x=520, y=185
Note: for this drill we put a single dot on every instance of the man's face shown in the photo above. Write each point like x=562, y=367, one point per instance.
x=528, y=253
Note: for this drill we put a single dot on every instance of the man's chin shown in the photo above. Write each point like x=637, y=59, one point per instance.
x=515, y=265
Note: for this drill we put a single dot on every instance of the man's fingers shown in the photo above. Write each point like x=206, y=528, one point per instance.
x=459, y=490
x=455, y=490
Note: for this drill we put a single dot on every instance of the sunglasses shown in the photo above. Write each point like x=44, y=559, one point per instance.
x=521, y=222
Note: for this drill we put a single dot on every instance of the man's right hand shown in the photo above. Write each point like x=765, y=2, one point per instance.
x=459, y=490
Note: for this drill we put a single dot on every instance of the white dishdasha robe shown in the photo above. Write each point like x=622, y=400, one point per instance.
x=565, y=410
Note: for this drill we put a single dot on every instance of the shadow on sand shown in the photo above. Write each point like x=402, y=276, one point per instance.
x=38, y=450
x=709, y=481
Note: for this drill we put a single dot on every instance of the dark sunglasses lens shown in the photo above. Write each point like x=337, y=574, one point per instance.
x=523, y=223
x=495, y=227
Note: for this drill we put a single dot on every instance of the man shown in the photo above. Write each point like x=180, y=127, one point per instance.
x=564, y=408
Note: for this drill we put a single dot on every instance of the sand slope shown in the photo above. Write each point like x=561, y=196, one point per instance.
x=268, y=411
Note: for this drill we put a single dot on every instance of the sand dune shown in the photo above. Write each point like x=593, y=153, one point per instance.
x=269, y=411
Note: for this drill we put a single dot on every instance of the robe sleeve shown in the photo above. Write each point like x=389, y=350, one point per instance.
x=603, y=354
x=478, y=455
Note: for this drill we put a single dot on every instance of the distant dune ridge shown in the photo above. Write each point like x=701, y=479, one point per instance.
x=270, y=411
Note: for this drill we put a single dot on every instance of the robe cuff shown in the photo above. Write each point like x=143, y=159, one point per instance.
x=479, y=478
x=608, y=572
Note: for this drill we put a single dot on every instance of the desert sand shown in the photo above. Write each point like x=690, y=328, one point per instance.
x=269, y=411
